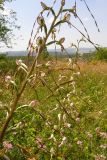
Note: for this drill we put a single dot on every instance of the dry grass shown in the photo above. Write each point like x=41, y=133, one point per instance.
x=94, y=67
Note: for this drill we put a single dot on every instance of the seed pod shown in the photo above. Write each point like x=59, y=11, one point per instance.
x=40, y=20
x=67, y=17
x=54, y=30
x=63, y=2
x=39, y=41
x=53, y=33
x=61, y=40
x=44, y=6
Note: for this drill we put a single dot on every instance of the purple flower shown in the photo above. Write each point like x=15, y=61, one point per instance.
x=40, y=143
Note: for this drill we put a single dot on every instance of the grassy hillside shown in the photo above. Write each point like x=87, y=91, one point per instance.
x=62, y=113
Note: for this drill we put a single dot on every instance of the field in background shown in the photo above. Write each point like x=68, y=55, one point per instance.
x=91, y=103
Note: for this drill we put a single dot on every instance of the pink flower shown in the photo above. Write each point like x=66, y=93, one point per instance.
x=33, y=103
x=8, y=79
x=40, y=143
x=7, y=145
x=79, y=143
x=100, y=157
x=103, y=135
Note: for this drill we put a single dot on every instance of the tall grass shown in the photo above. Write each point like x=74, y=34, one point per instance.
x=52, y=109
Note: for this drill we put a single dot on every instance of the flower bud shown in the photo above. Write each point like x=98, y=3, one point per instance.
x=8, y=79
x=63, y=2
x=40, y=20
x=7, y=145
x=67, y=17
x=44, y=6
x=18, y=62
x=61, y=40
x=39, y=41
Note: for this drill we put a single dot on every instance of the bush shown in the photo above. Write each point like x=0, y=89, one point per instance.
x=6, y=64
x=101, y=54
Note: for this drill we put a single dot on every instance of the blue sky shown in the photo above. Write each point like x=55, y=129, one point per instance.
x=27, y=11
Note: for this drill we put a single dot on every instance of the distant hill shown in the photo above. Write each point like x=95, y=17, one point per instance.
x=51, y=51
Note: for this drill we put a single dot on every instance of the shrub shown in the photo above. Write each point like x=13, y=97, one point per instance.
x=101, y=54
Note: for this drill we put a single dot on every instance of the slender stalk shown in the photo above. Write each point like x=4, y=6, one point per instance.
x=23, y=86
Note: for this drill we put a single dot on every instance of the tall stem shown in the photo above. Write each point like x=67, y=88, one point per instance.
x=13, y=106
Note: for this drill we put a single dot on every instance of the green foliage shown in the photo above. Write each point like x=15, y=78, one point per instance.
x=7, y=23
x=7, y=65
x=101, y=54
x=27, y=124
x=51, y=109
x=44, y=54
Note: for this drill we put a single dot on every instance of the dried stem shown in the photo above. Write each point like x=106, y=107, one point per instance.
x=23, y=86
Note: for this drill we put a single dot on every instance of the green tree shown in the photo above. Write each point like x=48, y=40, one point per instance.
x=7, y=23
x=101, y=54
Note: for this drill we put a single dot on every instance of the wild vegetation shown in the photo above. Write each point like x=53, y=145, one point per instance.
x=53, y=108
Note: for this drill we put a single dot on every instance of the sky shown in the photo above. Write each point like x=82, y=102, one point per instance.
x=28, y=10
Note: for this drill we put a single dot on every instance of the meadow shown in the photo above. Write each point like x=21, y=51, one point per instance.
x=54, y=108
x=62, y=113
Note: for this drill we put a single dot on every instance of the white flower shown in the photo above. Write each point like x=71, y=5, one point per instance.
x=103, y=135
x=64, y=117
x=33, y=103
x=68, y=125
x=89, y=135
x=71, y=104
x=100, y=112
x=73, y=83
x=77, y=119
x=100, y=157
x=74, y=66
x=55, y=127
x=59, y=116
x=52, y=151
x=78, y=73
x=70, y=61
x=74, y=91
x=79, y=143
x=64, y=139
x=52, y=137
x=8, y=79
x=68, y=95
x=64, y=100
x=71, y=78
x=48, y=63
x=42, y=74
x=21, y=65
x=103, y=146
x=18, y=62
